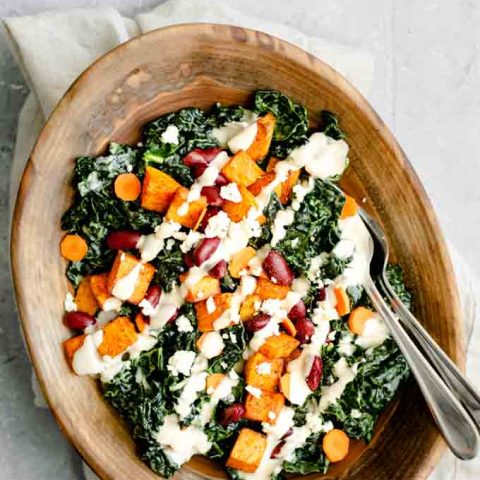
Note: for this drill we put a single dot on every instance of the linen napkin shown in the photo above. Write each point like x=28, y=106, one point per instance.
x=53, y=48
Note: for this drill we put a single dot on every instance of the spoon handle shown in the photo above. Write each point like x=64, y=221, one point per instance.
x=449, y=372
x=452, y=419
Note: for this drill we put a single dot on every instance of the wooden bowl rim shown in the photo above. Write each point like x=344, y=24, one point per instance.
x=317, y=67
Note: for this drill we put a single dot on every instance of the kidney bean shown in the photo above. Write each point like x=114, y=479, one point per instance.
x=288, y=433
x=315, y=376
x=277, y=268
x=221, y=180
x=205, y=250
x=231, y=414
x=200, y=156
x=257, y=322
x=79, y=320
x=299, y=310
x=188, y=259
x=276, y=451
x=212, y=194
x=197, y=170
x=123, y=239
x=153, y=295
x=305, y=330
x=219, y=270
x=321, y=294
x=211, y=212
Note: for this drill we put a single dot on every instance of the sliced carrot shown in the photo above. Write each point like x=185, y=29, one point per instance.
x=289, y=327
x=335, y=445
x=357, y=319
x=214, y=380
x=343, y=301
x=73, y=247
x=127, y=187
x=349, y=207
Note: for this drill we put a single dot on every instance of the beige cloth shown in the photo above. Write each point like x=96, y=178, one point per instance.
x=53, y=48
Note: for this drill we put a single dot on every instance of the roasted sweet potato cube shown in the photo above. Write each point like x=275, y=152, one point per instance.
x=122, y=266
x=248, y=308
x=158, y=189
x=71, y=345
x=206, y=287
x=262, y=372
x=194, y=213
x=118, y=335
x=85, y=299
x=242, y=170
x=265, y=408
x=256, y=187
x=240, y=260
x=260, y=146
x=141, y=322
x=205, y=320
x=238, y=210
x=247, y=453
x=279, y=346
x=99, y=286
x=267, y=289
x=286, y=187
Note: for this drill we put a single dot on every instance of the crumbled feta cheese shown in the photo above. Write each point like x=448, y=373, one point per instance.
x=181, y=362
x=264, y=368
x=183, y=324
x=256, y=392
x=231, y=192
x=294, y=242
x=354, y=413
x=211, y=344
x=69, y=304
x=218, y=225
x=271, y=415
x=170, y=135
x=192, y=239
x=210, y=304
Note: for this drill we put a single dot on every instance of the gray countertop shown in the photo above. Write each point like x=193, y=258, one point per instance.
x=426, y=87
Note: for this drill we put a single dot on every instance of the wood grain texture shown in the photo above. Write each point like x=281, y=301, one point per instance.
x=197, y=65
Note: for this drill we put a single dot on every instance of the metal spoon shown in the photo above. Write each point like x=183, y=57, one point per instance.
x=451, y=417
x=449, y=372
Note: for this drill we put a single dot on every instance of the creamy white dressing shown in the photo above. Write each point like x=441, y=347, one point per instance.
x=180, y=444
x=69, y=303
x=181, y=362
x=231, y=192
x=375, y=332
x=111, y=304
x=283, y=219
x=212, y=344
x=244, y=138
x=125, y=287
x=230, y=129
x=151, y=245
x=169, y=304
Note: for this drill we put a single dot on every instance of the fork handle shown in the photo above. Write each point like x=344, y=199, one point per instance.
x=452, y=419
x=449, y=372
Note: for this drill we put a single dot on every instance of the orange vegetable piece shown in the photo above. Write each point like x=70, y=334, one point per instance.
x=127, y=187
x=286, y=187
x=206, y=320
x=158, y=190
x=238, y=211
x=240, y=260
x=71, y=345
x=98, y=284
x=350, y=207
x=267, y=289
x=285, y=385
x=261, y=144
x=73, y=247
x=85, y=299
x=256, y=187
x=241, y=169
x=358, y=317
x=194, y=214
x=265, y=408
x=279, y=346
x=214, y=380
x=204, y=288
x=343, y=301
x=264, y=381
x=335, y=445
x=118, y=335
x=124, y=263
x=289, y=327
x=140, y=322
x=247, y=310
x=248, y=451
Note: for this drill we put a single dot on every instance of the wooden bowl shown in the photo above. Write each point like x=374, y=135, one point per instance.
x=197, y=65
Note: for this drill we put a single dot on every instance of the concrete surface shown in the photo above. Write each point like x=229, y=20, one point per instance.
x=426, y=87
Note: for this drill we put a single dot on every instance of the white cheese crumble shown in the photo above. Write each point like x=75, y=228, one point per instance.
x=210, y=304
x=170, y=135
x=256, y=392
x=183, y=324
x=231, y=192
x=69, y=303
x=181, y=362
x=264, y=368
x=190, y=241
x=218, y=225
x=212, y=344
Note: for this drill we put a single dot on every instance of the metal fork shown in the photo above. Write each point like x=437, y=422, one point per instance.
x=452, y=419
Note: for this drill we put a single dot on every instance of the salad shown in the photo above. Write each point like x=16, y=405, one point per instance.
x=217, y=291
